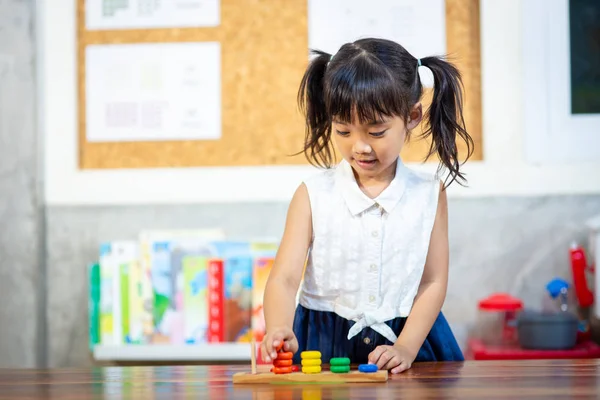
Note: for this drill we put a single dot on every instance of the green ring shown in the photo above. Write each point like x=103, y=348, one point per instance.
x=339, y=361
x=340, y=369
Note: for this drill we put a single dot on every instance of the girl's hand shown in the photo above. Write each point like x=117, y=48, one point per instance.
x=278, y=339
x=397, y=358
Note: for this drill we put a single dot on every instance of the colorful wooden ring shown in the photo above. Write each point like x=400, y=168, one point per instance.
x=315, y=369
x=278, y=348
x=310, y=354
x=340, y=369
x=367, y=368
x=282, y=370
x=295, y=368
x=339, y=361
x=282, y=363
x=311, y=362
x=285, y=355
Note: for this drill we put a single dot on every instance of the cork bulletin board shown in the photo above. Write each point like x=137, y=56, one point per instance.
x=264, y=47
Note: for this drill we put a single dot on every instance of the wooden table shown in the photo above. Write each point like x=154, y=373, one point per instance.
x=473, y=379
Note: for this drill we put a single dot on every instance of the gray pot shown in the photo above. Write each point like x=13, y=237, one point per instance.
x=547, y=331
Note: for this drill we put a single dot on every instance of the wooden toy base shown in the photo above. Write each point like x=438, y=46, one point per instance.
x=323, y=377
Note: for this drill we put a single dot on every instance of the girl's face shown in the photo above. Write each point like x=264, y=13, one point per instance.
x=373, y=148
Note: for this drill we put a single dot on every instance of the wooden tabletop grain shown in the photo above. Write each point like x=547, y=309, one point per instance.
x=542, y=379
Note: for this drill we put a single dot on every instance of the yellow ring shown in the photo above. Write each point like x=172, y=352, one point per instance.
x=312, y=369
x=311, y=362
x=310, y=354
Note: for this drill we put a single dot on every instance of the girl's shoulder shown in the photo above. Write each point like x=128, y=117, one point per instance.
x=422, y=178
x=323, y=180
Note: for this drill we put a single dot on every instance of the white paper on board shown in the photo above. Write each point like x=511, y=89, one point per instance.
x=151, y=92
x=136, y=14
x=419, y=26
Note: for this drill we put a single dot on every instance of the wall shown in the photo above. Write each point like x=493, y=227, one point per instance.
x=509, y=230
x=500, y=244
x=504, y=171
x=21, y=210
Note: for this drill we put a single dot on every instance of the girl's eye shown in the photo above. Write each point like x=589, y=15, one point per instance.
x=342, y=133
x=377, y=134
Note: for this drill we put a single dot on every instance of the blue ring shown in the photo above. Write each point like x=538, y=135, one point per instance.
x=367, y=368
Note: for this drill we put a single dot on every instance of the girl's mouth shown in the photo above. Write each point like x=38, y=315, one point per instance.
x=366, y=164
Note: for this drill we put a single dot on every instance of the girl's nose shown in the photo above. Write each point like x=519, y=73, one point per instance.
x=361, y=147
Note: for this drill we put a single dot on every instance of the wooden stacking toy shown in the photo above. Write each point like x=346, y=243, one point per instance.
x=284, y=371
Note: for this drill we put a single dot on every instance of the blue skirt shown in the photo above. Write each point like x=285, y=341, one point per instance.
x=327, y=332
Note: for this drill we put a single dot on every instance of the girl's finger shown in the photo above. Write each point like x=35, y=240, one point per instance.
x=264, y=352
x=384, y=359
x=394, y=362
x=403, y=366
x=375, y=354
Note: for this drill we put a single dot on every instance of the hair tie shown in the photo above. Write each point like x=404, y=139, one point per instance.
x=330, y=58
x=419, y=62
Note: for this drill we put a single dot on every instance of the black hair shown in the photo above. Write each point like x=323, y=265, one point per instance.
x=377, y=78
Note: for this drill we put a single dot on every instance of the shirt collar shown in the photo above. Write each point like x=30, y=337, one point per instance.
x=359, y=202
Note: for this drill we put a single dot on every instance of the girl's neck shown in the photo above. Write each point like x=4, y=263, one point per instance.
x=372, y=186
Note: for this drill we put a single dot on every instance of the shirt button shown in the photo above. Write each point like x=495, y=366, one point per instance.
x=367, y=340
x=373, y=267
x=371, y=298
x=374, y=233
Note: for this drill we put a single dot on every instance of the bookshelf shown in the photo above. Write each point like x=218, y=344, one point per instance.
x=177, y=296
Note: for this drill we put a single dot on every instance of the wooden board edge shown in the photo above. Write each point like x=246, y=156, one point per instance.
x=299, y=377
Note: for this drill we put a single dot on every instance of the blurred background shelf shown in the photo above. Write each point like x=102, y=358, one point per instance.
x=226, y=352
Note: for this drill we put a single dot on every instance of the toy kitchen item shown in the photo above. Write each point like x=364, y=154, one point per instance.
x=497, y=319
x=593, y=226
x=559, y=297
x=579, y=269
x=584, y=297
x=547, y=330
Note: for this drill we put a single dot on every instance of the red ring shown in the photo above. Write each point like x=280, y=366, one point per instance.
x=282, y=363
x=285, y=355
x=282, y=370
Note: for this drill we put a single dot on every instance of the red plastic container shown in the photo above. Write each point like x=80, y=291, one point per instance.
x=496, y=325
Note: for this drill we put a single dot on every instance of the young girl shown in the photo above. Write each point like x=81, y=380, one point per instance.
x=374, y=231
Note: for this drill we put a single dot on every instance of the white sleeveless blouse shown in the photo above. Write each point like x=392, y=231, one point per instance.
x=367, y=255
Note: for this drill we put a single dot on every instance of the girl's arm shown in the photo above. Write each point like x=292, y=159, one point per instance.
x=285, y=276
x=432, y=290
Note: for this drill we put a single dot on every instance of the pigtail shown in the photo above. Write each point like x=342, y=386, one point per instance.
x=445, y=116
x=311, y=100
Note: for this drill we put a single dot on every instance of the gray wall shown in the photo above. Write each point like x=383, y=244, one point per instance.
x=21, y=214
x=499, y=244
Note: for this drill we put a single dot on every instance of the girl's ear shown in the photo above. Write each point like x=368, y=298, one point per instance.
x=415, y=116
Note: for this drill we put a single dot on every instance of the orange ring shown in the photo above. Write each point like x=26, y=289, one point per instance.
x=278, y=348
x=285, y=355
x=282, y=370
x=282, y=363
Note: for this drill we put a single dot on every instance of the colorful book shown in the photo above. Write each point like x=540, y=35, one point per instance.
x=195, y=301
x=136, y=304
x=216, y=318
x=94, y=304
x=237, y=302
x=115, y=260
